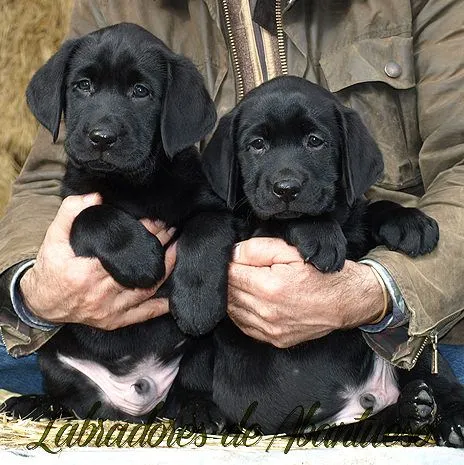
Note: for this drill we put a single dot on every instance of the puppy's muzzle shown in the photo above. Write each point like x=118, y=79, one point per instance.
x=102, y=138
x=287, y=189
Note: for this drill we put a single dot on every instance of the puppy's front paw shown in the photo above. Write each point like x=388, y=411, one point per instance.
x=326, y=255
x=197, y=304
x=138, y=263
x=321, y=243
x=408, y=230
x=125, y=248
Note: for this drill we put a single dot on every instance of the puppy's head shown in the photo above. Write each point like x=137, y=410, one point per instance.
x=291, y=149
x=124, y=95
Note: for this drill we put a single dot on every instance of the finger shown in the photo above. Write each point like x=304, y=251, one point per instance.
x=154, y=226
x=165, y=235
x=170, y=259
x=249, y=323
x=159, y=229
x=265, y=251
x=69, y=209
x=246, y=302
x=250, y=279
x=128, y=298
x=147, y=310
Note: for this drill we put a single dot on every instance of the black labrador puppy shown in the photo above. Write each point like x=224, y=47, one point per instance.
x=133, y=112
x=295, y=164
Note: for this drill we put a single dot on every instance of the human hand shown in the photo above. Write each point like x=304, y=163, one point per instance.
x=63, y=288
x=277, y=298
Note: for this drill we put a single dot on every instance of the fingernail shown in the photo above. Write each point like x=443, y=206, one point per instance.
x=172, y=246
x=236, y=251
x=171, y=231
x=159, y=224
x=90, y=198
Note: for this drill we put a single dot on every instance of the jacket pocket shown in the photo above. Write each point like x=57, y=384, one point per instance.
x=376, y=78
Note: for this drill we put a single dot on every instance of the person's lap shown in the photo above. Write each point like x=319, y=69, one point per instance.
x=23, y=375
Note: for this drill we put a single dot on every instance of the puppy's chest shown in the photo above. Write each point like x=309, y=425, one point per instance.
x=162, y=199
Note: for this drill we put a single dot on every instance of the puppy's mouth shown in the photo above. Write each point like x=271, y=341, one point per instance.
x=96, y=165
x=287, y=215
x=100, y=165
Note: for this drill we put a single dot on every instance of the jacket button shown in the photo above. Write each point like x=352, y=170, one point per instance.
x=393, y=69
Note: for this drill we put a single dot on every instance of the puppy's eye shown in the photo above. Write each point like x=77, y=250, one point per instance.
x=84, y=84
x=140, y=91
x=258, y=144
x=314, y=141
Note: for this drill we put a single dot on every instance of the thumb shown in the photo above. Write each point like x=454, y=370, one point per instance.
x=265, y=251
x=69, y=209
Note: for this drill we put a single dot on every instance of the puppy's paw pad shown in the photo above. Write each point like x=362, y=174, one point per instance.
x=417, y=406
x=450, y=431
x=201, y=416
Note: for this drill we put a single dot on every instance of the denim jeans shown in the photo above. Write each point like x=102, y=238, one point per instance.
x=23, y=375
x=455, y=357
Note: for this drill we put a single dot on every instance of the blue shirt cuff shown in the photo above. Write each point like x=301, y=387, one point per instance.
x=20, y=308
x=398, y=315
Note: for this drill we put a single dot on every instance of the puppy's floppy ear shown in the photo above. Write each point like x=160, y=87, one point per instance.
x=220, y=163
x=362, y=161
x=188, y=113
x=46, y=92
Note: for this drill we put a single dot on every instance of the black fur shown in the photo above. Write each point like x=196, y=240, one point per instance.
x=265, y=145
x=133, y=112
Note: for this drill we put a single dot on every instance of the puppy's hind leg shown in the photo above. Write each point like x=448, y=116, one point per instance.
x=448, y=393
x=35, y=407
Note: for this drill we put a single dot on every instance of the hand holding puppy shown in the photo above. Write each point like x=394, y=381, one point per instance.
x=63, y=288
x=277, y=298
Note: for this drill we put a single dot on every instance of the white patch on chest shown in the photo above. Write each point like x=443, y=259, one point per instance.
x=381, y=388
x=135, y=393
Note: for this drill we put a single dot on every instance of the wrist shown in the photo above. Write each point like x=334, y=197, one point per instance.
x=28, y=290
x=365, y=300
x=18, y=302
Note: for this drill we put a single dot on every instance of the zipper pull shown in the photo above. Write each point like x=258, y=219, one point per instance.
x=290, y=3
x=434, y=354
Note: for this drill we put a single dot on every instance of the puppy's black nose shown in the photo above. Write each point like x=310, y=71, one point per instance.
x=102, y=138
x=287, y=190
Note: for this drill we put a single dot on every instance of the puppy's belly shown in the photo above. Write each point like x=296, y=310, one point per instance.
x=136, y=392
x=378, y=392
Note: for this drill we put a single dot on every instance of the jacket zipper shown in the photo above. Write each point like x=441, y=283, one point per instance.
x=431, y=338
x=434, y=337
x=233, y=52
x=281, y=38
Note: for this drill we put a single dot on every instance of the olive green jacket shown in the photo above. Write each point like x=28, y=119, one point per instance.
x=415, y=111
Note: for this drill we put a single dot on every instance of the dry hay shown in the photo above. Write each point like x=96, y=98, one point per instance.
x=30, y=32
